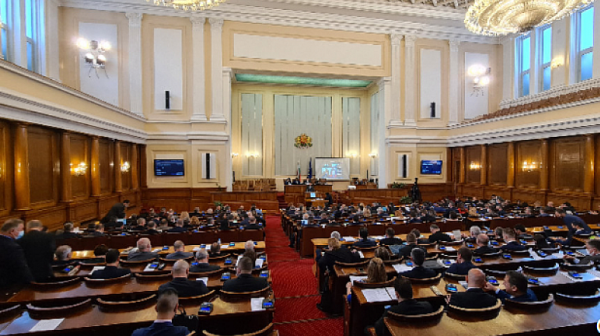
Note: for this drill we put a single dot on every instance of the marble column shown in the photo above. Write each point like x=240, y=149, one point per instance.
x=135, y=63
x=454, y=83
x=410, y=81
x=199, y=106
x=216, y=48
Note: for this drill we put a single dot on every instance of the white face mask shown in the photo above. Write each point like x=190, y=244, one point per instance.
x=21, y=233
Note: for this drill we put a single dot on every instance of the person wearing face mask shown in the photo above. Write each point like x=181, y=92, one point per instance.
x=13, y=266
x=39, y=250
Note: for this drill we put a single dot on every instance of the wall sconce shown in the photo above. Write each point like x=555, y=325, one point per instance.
x=353, y=155
x=234, y=155
x=372, y=155
x=481, y=78
x=474, y=166
x=125, y=167
x=251, y=155
x=557, y=62
x=80, y=169
x=529, y=166
x=95, y=57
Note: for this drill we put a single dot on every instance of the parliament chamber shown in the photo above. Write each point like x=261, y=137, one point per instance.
x=299, y=167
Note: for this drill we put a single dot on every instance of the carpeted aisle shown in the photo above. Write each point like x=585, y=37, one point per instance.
x=295, y=288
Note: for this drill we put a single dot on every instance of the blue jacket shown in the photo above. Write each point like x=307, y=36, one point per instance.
x=162, y=329
x=461, y=269
x=527, y=297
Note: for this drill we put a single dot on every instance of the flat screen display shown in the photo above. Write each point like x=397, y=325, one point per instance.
x=431, y=167
x=332, y=168
x=313, y=195
x=168, y=168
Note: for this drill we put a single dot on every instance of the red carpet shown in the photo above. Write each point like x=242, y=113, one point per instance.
x=295, y=288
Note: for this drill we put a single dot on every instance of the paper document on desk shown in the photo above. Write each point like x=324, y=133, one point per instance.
x=97, y=268
x=401, y=268
x=45, y=325
x=391, y=292
x=349, y=239
x=157, y=250
x=196, y=249
x=204, y=279
x=361, y=254
x=149, y=268
x=534, y=255
x=377, y=295
x=450, y=249
x=567, y=276
x=258, y=263
x=464, y=284
x=224, y=247
x=357, y=278
x=256, y=304
x=378, y=237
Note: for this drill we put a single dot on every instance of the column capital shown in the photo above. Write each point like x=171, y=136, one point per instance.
x=396, y=38
x=216, y=23
x=409, y=41
x=198, y=21
x=135, y=19
x=384, y=81
x=227, y=72
x=454, y=43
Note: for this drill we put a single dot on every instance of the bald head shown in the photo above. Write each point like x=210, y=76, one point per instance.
x=482, y=239
x=180, y=269
x=476, y=278
x=143, y=244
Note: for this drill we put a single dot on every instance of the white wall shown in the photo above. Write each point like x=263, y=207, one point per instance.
x=168, y=68
x=475, y=104
x=430, y=82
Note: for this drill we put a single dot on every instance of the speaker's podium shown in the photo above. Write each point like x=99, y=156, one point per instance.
x=314, y=198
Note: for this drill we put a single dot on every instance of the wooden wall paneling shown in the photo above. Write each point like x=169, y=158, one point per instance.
x=502, y=191
x=135, y=167
x=528, y=152
x=544, y=164
x=578, y=200
x=450, y=164
x=80, y=154
x=84, y=210
x=463, y=165
x=65, y=167
x=143, y=172
x=529, y=195
x=105, y=203
x=498, y=163
x=118, y=161
x=44, y=164
x=106, y=166
x=21, y=170
x=6, y=165
x=126, y=159
x=473, y=157
x=94, y=168
x=52, y=217
x=511, y=165
x=434, y=192
x=568, y=164
x=588, y=178
x=484, y=165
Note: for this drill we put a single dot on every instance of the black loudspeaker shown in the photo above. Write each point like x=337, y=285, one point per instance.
x=404, y=162
x=167, y=100
x=433, y=109
x=207, y=164
x=233, y=176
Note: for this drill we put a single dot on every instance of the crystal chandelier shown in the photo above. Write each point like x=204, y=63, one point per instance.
x=191, y=5
x=501, y=17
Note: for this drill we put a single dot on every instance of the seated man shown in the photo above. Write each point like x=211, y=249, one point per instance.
x=179, y=253
x=509, y=236
x=111, y=270
x=245, y=281
x=406, y=304
x=63, y=256
x=411, y=243
x=215, y=250
x=516, y=288
x=463, y=262
x=178, y=227
x=390, y=239
x=144, y=251
x=474, y=297
x=364, y=241
x=437, y=235
x=335, y=252
x=521, y=231
x=67, y=232
x=202, y=263
x=180, y=282
x=252, y=224
x=151, y=228
x=593, y=248
x=417, y=256
x=483, y=246
x=166, y=308
x=474, y=231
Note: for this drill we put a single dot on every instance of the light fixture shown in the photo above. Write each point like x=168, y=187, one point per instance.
x=372, y=155
x=234, y=155
x=529, y=166
x=80, y=169
x=191, y=5
x=502, y=17
x=125, y=167
x=557, y=62
x=94, y=55
x=474, y=166
x=251, y=155
x=481, y=78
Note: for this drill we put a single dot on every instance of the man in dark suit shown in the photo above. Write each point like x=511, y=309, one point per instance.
x=117, y=210
x=151, y=228
x=245, y=281
x=13, y=265
x=570, y=221
x=67, y=232
x=437, y=235
x=166, y=308
x=178, y=227
x=390, y=239
x=180, y=282
x=406, y=304
x=463, y=262
x=411, y=243
x=39, y=250
x=417, y=256
x=474, y=297
x=516, y=288
x=509, y=236
x=202, y=263
x=364, y=239
x=593, y=249
x=179, y=253
x=252, y=225
x=483, y=245
x=144, y=251
x=111, y=270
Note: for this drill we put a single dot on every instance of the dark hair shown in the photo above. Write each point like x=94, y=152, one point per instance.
x=382, y=253
x=167, y=300
x=517, y=279
x=465, y=253
x=126, y=201
x=363, y=233
x=246, y=264
x=390, y=232
x=541, y=241
x=416, y=232
x=100, y=250
x=560, y=211
x=595, y=243
x=520, y=227
x=112, y=256
x=418, y=256
x=403, y=287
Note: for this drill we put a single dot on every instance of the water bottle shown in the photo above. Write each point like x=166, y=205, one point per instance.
x=219, y=241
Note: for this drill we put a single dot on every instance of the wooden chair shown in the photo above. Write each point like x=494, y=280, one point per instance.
x=55, y=284
x=223, y=257
x=172, y=261
x=491, y=255
x=105, y=282
x=475, y=314
x=523, y=253
x=550, y=250
x=535, y=306
x=577, y=267
x=110, y=306
x=356, y=264
x=193, y=275
x=266, y=331
x=455, y=276
x=393, y=261
x=496, y=273
x=426, y=244
x=432, y=280
x=579, y=299
x=195, y=300
x=436, y=315
x=9, y=311
x=451, y=243
x=233, y=297
x=541, y=270
x=39, y=312
x=130, y=264
x=166, y=276
x=375, y=284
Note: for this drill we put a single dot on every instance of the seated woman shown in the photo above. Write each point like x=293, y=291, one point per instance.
x=382, y=253
x=542, y=242
x=375, y=274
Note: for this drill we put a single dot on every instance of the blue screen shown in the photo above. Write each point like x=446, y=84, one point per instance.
x=168, y=168
x=431, y=167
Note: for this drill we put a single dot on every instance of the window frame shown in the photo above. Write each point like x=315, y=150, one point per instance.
x=519, y=62
x=33, y=39
x=580, y=53
x=5, y=31
x=541, y=65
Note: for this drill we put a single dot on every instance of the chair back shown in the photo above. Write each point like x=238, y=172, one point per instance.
x=195, y=300
x=393, y=261
x=375, y=284
x=130, y=264
x=475, y=314
x=522, y=253
x=491, y=255
x=108, y=282
x=356, y=264
x=266, y=331
x=9, y=311
x=455, y=276
x=223, y=257
x=541, y=270
x=432, y=280
x=534, y=306
x=38, y=312
x=193, y=275
x=154, y=276
x=242, y=296
x=578, y=300
x=434, y=316
x=172, y=261
x=577, y=267
x=427, y=244
x=451, y=243
x=56, y=284
x=171, y=237
x=496, y=273
x=367, y=249
x=110, y=306
x=550, y=250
